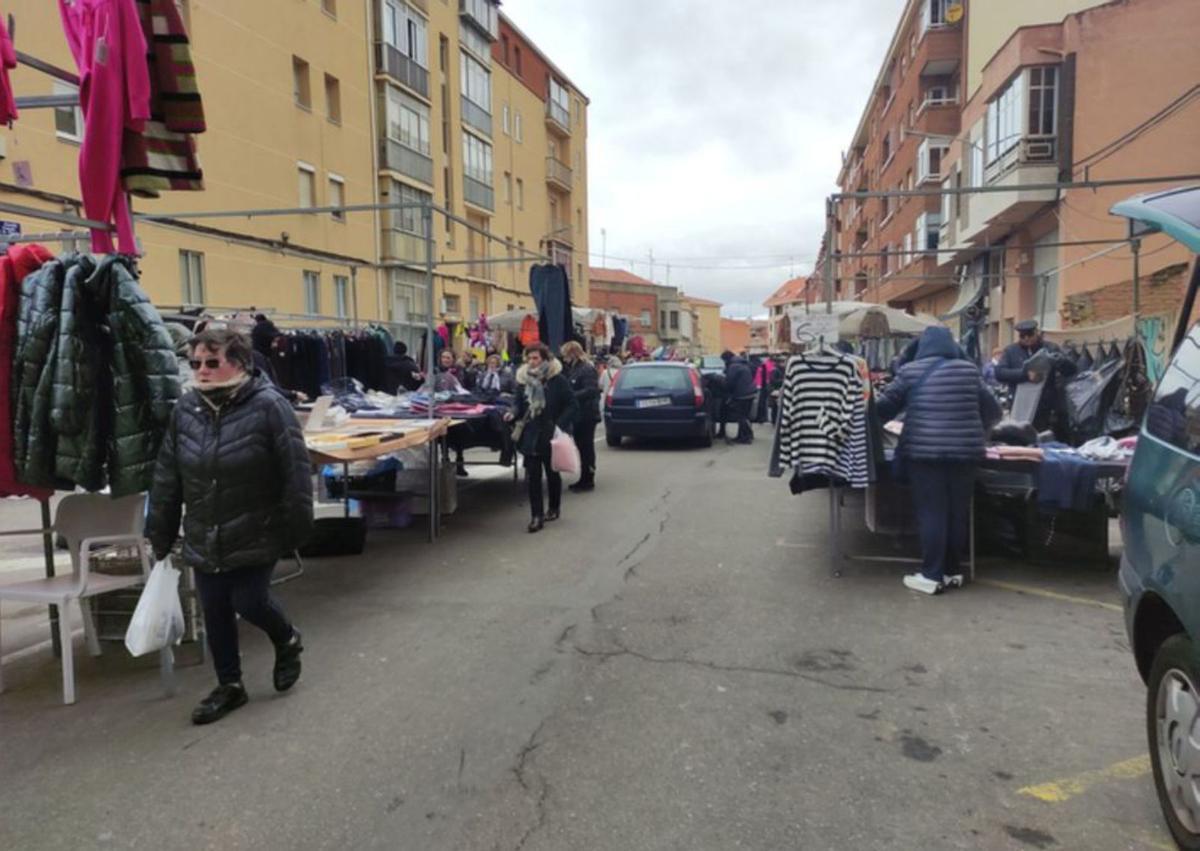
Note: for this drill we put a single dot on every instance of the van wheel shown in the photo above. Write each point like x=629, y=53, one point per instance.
x=612, y=438
x=1173, y=729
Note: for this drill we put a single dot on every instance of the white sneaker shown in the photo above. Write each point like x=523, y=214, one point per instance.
x=918, y=582
x=953, y=581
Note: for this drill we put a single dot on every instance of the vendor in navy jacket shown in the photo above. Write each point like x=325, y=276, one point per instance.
x=948, y=411
x=1012, y=370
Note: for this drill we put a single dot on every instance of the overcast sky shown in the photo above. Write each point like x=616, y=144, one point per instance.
x=714, y=134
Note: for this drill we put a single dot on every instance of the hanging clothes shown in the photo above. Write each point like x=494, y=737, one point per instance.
x=105, y=37
x=8, y=61
x=530, y=333
x=162, y=156
x=551, y=290
x=822, y=392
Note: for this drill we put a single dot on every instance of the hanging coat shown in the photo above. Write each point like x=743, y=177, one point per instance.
x=162, y=156
x=105, y=37
x=8, y=61
x=529, y=331
x=18, y=263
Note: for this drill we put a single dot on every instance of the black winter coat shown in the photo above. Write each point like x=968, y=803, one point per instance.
x=739, y=380
x=585, y=384
x=1011, y=369
x=561, y=410
x=947, y=417
x=244, y=475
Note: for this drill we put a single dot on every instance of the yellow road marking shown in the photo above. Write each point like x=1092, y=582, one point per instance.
x=1057, y=791
x=1051, y=595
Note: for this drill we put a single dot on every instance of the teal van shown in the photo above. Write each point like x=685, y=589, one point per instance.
x=1160, y=568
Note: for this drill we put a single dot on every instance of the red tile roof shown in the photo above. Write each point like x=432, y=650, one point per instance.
x=791, y=291
x=616, y=276
x=697, y=300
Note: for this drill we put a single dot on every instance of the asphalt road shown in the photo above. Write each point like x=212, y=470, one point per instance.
x=669, y=666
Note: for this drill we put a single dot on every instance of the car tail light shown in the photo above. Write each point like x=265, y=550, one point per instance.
x=612, y=385
x=697, y=388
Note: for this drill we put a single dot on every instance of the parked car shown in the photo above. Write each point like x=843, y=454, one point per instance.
x=1160, y=568
x=711, y=365
x=661, y=399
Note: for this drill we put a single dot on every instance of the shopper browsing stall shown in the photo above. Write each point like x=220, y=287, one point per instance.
x=948, y=410
x=1018, y=366
x=585, y=384
x=235, y=457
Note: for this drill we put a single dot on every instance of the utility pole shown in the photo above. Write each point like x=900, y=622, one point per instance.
x=668, y=274
x=603, y=247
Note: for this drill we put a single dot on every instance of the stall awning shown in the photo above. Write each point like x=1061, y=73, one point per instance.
x=969, y=292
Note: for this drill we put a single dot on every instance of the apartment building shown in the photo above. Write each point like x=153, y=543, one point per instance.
x=1018, y=95
x=328, y=102
x=706, y=324
x=660, y=315
x=790, y=294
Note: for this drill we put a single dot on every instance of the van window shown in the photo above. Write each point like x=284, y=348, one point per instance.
x=1174, y=415
x=654, y=378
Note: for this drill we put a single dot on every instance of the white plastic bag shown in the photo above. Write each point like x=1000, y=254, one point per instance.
x=564, y=454
x=157, y=621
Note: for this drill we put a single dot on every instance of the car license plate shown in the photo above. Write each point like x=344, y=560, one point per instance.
x=657, y=402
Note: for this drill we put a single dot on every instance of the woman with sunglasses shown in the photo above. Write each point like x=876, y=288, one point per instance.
x=234, y=455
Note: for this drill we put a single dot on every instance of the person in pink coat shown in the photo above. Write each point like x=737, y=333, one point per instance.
x=105, y=37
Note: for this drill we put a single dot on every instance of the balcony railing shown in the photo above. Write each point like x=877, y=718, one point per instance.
x=931, y=102
x=1040, y=150
x=558, y=173
x=478, y=193
x=390, y=61
x=476, y=116
x=558, y=117
x=400, y=246
x=482, y=14
x=405, y=160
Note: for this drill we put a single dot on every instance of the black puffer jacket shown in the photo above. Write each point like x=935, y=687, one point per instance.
x=585, y=384
x=947, y=416
x=244, y=474
x=561, y=410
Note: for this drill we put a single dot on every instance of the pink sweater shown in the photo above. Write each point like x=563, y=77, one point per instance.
x=105, y=37
x=8, y=61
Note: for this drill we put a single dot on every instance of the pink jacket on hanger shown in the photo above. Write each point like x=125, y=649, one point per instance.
x=8, y=61
x=105, y=37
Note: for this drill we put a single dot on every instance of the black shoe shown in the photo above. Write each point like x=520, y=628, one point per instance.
x=220, y=702
x=551, y=515
x=287, y=662
x=462, y=471
x=582, y=487
x=536, y=524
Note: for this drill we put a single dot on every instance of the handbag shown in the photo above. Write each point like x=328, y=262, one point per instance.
x=899, y=462
x=564, y=454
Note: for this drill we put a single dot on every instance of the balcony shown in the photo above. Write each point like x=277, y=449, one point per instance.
x=401, y=246
x=397, y=157
x=558, y=118
x=990, y=216
x=390, y=61
x=476, y=116
x=478, y=193
x=482, y=15
x=558, y=174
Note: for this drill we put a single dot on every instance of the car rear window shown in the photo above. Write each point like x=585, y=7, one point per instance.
x=654, y=378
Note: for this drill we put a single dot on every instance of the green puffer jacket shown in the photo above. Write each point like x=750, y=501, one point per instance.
x=32, y=373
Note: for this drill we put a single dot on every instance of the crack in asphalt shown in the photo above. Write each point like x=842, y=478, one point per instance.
x=717, y=666
x=521, y=771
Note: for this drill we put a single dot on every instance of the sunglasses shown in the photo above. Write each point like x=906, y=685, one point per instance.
x=207, y=363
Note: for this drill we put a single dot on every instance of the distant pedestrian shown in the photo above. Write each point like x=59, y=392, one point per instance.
x=585, y=384
x=544, y=401
x=234, y=457
x=740, y=392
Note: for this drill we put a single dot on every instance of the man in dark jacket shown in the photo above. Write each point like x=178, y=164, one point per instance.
x=235, y=456
x=585, y=384
x=739, y=386
x=948, y=412
x=1014, y=371
x=402, y=371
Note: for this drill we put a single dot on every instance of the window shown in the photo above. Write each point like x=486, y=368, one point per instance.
x=1043, y=88
x=476, y=43
x=517, y=59
x=947, y=199
x=407, y=219
x=885, y=208
x=329, y=7
x=475, y=81
x=929, y=159
x=645, y=317
x=337, y=196
x=885, y=257
x=301, y=89
x=504, y=47
x=191, y=277
x=308, y=185
x=674, y=320
x=907, y=256
x=451, y=304
x=662, y=319
x=407, y=121
x=477, y=158
x=504, y=119
x=1174, y=416
x=341, y=296
x=405, y=30
x=518, y=133
x=333, y=99
x=560, y=103
x=940, y=90
x=507, y=187
x=928, y=231
x=1005, y=114
x=886, y=150
x=312, y=292
x=520, y=194
x=933, y=14
x=68, y=120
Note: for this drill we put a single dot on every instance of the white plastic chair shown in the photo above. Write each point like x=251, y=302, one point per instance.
x=87, y=521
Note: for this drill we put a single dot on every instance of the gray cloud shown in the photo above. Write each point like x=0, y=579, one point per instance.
x=713, y=132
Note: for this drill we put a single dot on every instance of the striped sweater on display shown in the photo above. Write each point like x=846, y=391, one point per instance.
x=820, y=394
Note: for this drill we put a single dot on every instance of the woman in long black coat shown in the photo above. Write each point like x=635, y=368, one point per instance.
x=585, y=384
x=544, y=401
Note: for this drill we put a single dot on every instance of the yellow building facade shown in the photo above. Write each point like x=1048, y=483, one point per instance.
x=315, y=103
x=706, y=327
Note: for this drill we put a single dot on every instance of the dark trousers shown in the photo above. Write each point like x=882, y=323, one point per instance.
x=941, y=494
x=740, y=411
x=585, y=440
x=535, y=465
x=244, y=591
